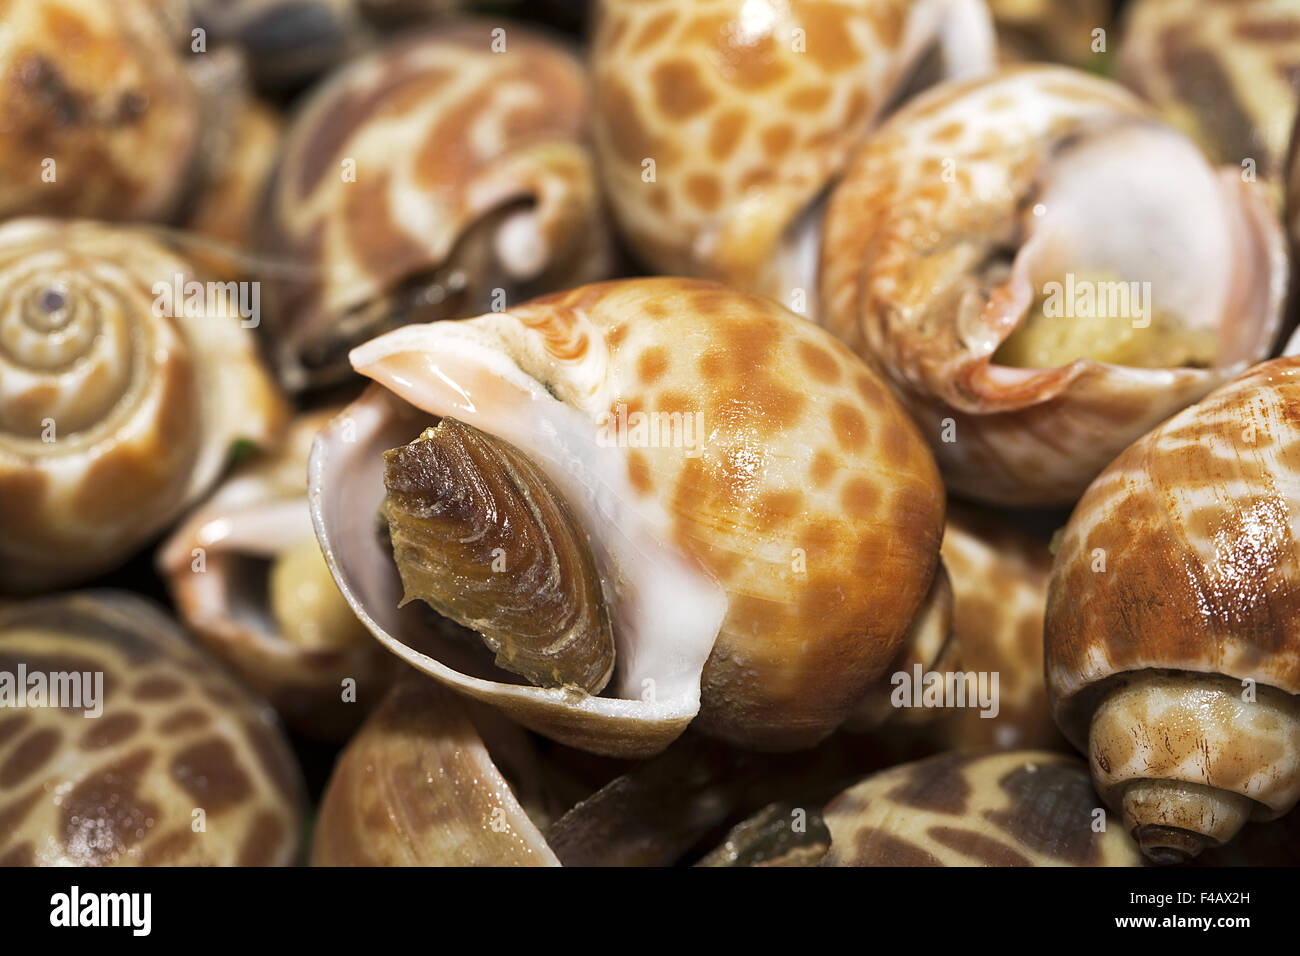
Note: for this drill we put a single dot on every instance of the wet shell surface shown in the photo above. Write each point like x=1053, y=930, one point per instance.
x=761, y=569
x=118, y=405
x=1017, y=808
x=437, y=177
x=720, y=124
x=99, y=115
x=966, y=241
x=182, y=766
x=1172, y=614
x=249, y=581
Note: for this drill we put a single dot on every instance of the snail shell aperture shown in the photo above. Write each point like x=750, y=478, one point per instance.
x=762, y=573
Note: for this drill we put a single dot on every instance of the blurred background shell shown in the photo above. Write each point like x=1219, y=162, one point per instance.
x=118, y=408
x=719, y=125
x=436, y=177
x=99, y=114
x=182, y=767
x=248, y=579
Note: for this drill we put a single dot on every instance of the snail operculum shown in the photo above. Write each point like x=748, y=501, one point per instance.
x=482, y=535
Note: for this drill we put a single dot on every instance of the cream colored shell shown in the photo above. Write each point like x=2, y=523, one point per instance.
x=719, y=122
x=117, y=409
x=918, y=274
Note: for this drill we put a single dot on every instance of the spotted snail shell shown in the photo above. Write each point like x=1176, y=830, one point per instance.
x=760, y=574
x=99, y=114
x=1024, y=256
x=181, y=766
x=1172, y=618
x=117, y=409
x=248, y=579
x=999, y=578
x=999, y=808
x=719, y=125
x=434, y=178
x=1222, y=72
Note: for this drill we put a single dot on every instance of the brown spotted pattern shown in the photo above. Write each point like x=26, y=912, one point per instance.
x=999, y=578
x=112, y=418
x=1018, y=808
x=257, y=514
x=1181, y=557
x=406, y=167
x=748, y=110
x=917, y=243
x=811, y=504
x=1227, y=72
x=417, y=786
x=103, y=90
x=176, y=735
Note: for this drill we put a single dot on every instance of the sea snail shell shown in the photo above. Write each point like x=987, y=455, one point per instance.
x=1171, y=620
x=719, y=126
x=998, y=808
x=761, y=574
x=1221, y=72
x=429, y=180
x=99, y=114
x=116, y=410
x=248, y=579
x=176, y=736
x=960, y=227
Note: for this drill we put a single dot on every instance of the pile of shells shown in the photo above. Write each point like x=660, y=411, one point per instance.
x=728, y=433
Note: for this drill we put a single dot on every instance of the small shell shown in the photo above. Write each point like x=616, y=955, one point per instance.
x=1045, y=190
x=433, y=178
x=118, y=404
x=220, y=566
x=176, y=742
x=720, y=125
x=1173, y=614
x=1221, y=72
x=1019, y=808
x=99, y=114
x=762, y=562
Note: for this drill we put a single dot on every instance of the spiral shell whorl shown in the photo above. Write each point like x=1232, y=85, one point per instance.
x=107, y=424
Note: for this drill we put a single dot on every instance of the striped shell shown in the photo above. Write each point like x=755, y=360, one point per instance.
x=220, y=566
x=176, y=736
x=939, y=238
x=427, y=180
x=98, y=113
x=1225, y=73
x=719, y=124
x=1018, y=808
x=762, y=573
x=114, y=414
x=1181, y=563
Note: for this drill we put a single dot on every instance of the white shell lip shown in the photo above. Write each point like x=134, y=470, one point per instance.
x=345, y=489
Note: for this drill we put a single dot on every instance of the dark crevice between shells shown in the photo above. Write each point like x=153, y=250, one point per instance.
x=481, y=535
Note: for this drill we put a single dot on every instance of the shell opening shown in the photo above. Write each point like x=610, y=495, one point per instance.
x=1137, y=253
